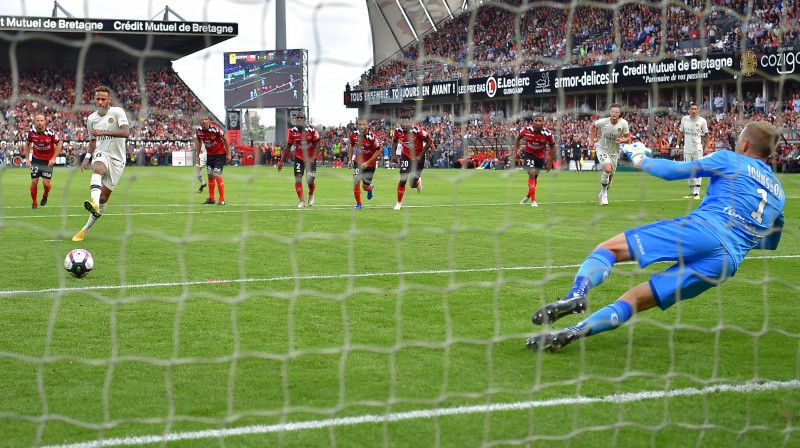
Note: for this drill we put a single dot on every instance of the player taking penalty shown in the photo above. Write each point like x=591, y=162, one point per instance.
x=42, y=146
x=412, y=143
x=743, y=210
x=366, y=149
x=108, y=130
x=537, y=138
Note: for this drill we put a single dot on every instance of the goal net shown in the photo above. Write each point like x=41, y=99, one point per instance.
x=402, y=322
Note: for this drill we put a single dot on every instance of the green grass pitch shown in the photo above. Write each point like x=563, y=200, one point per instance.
x=201, y=317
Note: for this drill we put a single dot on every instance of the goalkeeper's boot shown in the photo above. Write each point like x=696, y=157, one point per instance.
x=92, y=208
x=575, y=304
x=550, y=342
x=79, y=236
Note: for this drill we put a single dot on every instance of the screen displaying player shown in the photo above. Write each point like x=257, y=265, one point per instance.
x=259, y=79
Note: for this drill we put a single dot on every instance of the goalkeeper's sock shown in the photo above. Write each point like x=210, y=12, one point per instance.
x=532, y=189
x=593, y=271
x=607, y=318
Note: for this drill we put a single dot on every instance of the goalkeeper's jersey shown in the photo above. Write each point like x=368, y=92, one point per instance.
x=743, y=201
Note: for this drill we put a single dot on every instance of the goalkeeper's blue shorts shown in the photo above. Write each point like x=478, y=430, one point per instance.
x=701, y=261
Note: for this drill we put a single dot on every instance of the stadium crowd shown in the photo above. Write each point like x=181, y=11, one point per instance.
x=163, y=113
x=163, y=110
x=682, y=29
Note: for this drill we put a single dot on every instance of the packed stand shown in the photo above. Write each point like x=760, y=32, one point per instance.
x=161, y=121
x=687, y=29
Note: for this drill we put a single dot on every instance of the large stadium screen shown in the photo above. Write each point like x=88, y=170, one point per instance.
x=256, y=79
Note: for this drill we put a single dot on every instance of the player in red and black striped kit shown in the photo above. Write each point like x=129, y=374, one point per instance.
x=218, y=153
x=414, y=143
x=366, y=149
x=45, y=145
x=537, y=138
x=305, y=139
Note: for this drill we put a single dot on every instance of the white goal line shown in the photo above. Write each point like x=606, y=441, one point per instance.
x=434, y=413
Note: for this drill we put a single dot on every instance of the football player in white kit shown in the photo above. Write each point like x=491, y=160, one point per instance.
x=108, y=129
x=695, y=129
x=200, y=162
x=613, y=131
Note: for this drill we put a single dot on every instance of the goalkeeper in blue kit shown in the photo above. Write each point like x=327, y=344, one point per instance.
x=742, y=210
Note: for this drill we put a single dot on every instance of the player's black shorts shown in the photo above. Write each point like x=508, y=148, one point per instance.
x=363, y=173
x=41, y=168
x=409, y=165
x=300, y=167
x=531, y=161
x=215, y=163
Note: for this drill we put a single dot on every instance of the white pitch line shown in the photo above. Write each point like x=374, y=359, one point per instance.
x=278, y=279
x=316, y=277
x=433, y=413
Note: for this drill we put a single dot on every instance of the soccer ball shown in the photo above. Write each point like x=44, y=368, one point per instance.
x=79, y=262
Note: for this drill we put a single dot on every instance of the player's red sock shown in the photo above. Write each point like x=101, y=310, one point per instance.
x=368, y=187
x=212, y=184
x=400, y=192
x=311, y=188
x=298, y=187
x=34, y=191
x=221, y=186
x=357, y=194
x=46, y=191
x=532, y=189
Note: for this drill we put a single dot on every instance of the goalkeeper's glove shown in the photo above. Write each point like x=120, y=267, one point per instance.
x=636, y=152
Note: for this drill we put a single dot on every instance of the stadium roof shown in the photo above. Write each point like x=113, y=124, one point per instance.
x=65, y=42
x=398, y=23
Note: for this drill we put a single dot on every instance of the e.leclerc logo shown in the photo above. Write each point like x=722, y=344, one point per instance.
x=491, y=87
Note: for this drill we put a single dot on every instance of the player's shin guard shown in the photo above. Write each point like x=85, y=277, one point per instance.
x=401, y=191
x=298, y=187
x=212, y=185
x=357, y=194
x=593, y=271
x=221, y=186
x=34, y=193
x=95, y=186
x=532, y=189
x=607, y=318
